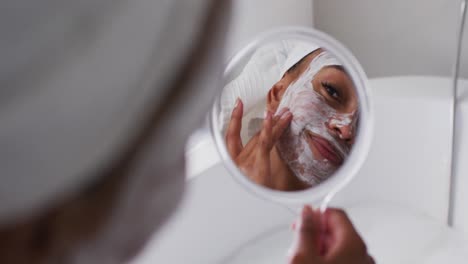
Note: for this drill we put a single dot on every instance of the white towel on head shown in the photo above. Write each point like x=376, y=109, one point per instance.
x=79, y=81
x=266, y=66
x=259, y=74
x=300, y=50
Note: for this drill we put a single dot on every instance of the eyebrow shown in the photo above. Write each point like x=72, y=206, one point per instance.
x=338, y=67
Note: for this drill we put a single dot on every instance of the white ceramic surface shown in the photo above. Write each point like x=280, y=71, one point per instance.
x=216, y=217
x=394, y=234
x=403, y=235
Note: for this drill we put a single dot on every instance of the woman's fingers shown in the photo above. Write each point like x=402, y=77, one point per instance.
x=370, y=260
x=309, y=228
x=279, y=123
x=278, y=115
x=262, y=153
x=306, y=247
x=233, y=139
x=273, y=128
x=345, y=241
x=282, y=121
x=265, y=141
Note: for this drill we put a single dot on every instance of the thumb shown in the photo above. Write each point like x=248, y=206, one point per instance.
x=305, y=247
x=343, y=239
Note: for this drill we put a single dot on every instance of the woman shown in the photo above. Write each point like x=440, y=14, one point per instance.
x=98, y=98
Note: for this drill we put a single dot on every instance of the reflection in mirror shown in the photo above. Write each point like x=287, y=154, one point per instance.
x=289, y=115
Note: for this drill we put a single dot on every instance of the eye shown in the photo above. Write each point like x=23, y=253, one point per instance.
x=332, y=91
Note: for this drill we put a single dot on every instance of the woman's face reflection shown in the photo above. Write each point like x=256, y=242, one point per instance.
x=309, y=129
x=322, y=98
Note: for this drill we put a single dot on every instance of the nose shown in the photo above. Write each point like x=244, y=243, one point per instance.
x=342, y=129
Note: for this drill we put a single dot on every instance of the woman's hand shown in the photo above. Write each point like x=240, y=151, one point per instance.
x=254, y=158
x=328, y=238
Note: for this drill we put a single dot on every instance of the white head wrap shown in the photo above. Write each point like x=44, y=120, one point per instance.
x=77, y=80
x=300, y=50
x=264, y=68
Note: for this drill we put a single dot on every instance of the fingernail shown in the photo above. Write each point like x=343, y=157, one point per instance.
x=282, y=111
x=268, y=115
x=306, y=212
x=237, y=103
x=286, y=115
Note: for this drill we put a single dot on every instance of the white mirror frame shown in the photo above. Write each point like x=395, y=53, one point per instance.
x=326, y=190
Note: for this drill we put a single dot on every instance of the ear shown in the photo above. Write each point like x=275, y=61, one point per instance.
x=274, y=96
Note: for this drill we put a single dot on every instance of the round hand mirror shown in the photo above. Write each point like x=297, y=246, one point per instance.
x=293, y=122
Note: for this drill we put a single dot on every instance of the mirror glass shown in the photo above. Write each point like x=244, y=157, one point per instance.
x=290, y=113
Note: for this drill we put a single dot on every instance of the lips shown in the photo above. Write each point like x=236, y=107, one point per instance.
x=324, y=148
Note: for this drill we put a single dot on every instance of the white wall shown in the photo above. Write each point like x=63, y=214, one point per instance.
x=253, y=17
x=397, y=37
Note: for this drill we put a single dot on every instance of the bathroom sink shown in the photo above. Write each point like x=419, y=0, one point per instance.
x=220, y=223
x=394, y=234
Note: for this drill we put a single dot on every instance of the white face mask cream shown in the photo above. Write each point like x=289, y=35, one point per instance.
x=309, y=132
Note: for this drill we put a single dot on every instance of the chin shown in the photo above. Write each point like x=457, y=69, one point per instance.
x=313, y=172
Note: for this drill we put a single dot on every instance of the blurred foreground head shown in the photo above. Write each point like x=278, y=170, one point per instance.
x=97, y=99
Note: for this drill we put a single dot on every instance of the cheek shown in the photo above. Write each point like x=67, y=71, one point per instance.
x=316, y=83
x=309, y=108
